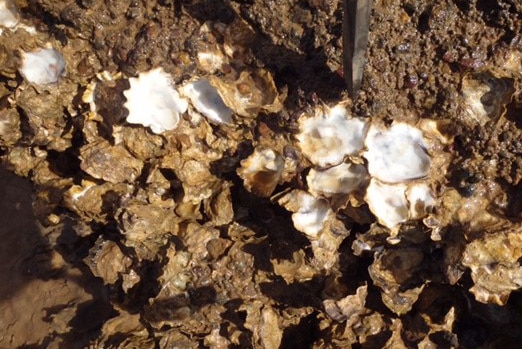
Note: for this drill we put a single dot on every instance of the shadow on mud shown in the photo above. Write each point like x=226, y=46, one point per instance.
x=40, y=286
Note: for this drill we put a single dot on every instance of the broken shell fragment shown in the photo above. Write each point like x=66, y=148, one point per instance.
x=261, y=171
x=206, y=99
x=153, y=101
x=331, y=135
x=43, y=66
x=396, y=154
x=341, y=179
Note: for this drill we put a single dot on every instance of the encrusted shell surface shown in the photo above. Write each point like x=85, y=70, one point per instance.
x=494, y=263
x=485, y=96
x=262, y=171
x=329, y=136
x=396, y=154
x=251, y=93
x=153, y=101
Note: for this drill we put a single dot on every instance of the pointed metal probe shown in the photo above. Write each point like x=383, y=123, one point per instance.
x=356, y=25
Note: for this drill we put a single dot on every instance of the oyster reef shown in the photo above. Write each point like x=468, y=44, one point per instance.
x=193, y=174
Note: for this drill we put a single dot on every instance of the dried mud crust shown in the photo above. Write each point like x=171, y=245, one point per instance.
x=188, y=257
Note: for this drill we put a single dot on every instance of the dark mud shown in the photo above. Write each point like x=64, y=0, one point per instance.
x=123, y=267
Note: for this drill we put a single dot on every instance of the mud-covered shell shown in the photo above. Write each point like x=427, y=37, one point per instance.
x=494, y=263
x=396, y=154
x=262, y=171
x=252, y=93
x=341, y=179
x=153, y=101
x=485, y=97
x=111, y=163
x=330, y=135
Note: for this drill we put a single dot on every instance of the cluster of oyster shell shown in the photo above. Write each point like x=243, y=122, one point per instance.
x=150, y=154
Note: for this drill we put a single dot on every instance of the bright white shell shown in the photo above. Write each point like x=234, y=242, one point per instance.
x=309, y=213
x=327, y=138
x=153, y=101
x=387, y=202
x=396, y=154
x=341, y=179
x=8, y=14
x=206, y=99
x=43, y=66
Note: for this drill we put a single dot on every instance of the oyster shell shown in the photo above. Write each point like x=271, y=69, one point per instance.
x=111, y=163
x=153, y=101
x=494, y=263
x=330, y=135
x=388, y=202
x=310, y=213
x=43, y=66
x=206, y=100
x=341, y=179
x=396, y=154
x=262, y=171
x=9, y=15
x=393, y=204
x=485, y=96
x=252, y=93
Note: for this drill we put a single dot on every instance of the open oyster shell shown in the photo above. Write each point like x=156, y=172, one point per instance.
x=153, y=101
x=330, y=135
x=262, y=171
x=396, y=154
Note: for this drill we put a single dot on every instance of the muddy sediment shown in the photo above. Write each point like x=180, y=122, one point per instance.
x=115, y=236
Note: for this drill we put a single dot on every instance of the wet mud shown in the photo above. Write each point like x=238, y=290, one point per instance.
x=113, y=236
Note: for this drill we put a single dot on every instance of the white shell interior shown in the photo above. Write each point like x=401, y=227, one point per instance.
x=8, y=14
x=327, y=139
x=341, y=179
x=312, y=214
x=153, y=101
x=396, y=154
x=43, y=66
x=388, y=202
x=206, y=99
